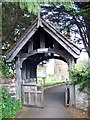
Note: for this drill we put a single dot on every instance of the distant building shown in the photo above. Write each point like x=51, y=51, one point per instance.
x=50, y=67
x=60, y=69
x=56, y=67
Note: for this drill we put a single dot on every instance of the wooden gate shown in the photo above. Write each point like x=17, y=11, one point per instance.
x=32, y=94
x=67, y=95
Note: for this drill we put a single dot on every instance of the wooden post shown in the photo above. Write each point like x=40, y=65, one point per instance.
x=42, y=39
x=24, y=72
x=72, y=87
x=18, y=78
x=29, y=95
x=43, y=82
x=35, y=95
x=30, y=46
x=28, y=70
x=23, y=94
x=67, y=95
x=42, y=95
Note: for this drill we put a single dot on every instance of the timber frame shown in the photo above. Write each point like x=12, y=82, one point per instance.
x=40, y=42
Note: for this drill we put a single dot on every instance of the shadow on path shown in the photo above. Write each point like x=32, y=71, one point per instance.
x=53, y=106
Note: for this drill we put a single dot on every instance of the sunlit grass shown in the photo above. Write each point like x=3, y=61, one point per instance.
x=50, y=82
x=53, y=82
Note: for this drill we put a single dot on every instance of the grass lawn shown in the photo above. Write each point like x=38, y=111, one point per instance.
x=52, y=82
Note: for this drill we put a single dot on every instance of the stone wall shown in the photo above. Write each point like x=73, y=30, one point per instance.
x=81, y=98
x=60, y=69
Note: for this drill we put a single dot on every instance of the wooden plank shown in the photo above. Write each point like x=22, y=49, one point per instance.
x=41, y=50
x=31, y=84
x=25, y=55
x=42, y=39
x=42, y=95
x=36, y=95
x=28, y=70
x=30, y=46
x=18, y=47
x=71, y=51
x=62, y=53
x=29, y=95
x=23, y=95
x=38, y=92
x=23, y=72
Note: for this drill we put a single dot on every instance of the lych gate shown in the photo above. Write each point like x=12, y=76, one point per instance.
x=40, y=42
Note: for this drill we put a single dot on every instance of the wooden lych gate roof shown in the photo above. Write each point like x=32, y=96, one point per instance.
x=71, y=48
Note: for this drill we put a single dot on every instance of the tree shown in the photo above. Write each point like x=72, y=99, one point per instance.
x=15, y=20
x=63, y=15
x=70, y=19
x=85, y=12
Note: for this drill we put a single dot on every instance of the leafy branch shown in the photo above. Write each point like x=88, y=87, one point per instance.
x=80, y=76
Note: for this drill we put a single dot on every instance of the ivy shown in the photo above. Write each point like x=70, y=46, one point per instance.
x=5, y=69
x=80, y=75
x=9, y=105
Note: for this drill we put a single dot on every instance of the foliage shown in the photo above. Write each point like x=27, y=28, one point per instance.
x=50, y=80
x=9, y=105
x=14, y=22
x=35, y=5
x=53, y=82
x=51, y=77
x=84, y=11
x=65, y=16
x=0, y=105
x=72, y=20
x=5, y=69
x=80, y=74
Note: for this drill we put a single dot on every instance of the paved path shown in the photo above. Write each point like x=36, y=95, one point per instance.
x=53, y=106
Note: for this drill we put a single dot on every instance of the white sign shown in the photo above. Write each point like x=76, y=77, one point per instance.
x=41, y=73
x=42, y=50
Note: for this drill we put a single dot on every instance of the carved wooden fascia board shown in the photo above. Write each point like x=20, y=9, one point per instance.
x=59, y=40
x=10, y=56
x=69, y=46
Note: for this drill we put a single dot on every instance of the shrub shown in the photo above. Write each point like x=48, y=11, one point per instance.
x=5, y=70
x=80, y=74
x=9, y=105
